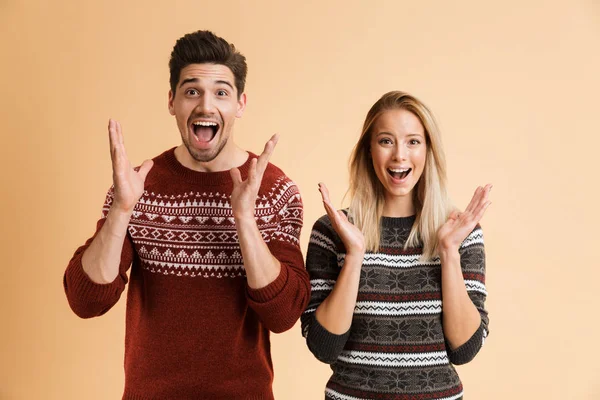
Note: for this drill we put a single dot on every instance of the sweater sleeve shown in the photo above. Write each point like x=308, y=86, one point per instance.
x=323, y=269
x=472, y=260
x=280, y=303
x=87, y=298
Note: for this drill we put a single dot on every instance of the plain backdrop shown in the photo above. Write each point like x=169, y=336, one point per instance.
x=514, y=85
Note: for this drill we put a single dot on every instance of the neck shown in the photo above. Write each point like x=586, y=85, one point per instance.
x=399, y=206
x=230, y=156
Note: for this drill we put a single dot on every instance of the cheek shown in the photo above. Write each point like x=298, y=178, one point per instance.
x=378, y=157
x=419, y=157
x=377, y=161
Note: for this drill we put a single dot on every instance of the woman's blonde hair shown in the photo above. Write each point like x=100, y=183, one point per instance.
x=430, y=196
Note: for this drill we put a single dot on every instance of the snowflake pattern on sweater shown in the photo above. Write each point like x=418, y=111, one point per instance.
x=395, y=348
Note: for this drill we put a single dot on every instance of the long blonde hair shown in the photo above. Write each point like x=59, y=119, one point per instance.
x=430, y=196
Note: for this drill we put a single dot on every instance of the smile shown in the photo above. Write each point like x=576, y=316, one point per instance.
x=399, y=173
x=205, y=131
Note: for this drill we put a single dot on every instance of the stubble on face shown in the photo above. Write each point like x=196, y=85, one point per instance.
x=207, y=155
x=206, y=93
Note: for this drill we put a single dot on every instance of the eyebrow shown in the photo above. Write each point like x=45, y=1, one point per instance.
x=410, y=134
x=195, y=80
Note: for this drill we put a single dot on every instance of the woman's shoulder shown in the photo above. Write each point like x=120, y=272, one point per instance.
x=325, y=221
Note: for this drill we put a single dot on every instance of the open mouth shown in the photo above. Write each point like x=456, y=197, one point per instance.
x=399, y=173
x=205, y=131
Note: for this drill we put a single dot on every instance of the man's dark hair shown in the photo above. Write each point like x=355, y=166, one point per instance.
x=204, y=47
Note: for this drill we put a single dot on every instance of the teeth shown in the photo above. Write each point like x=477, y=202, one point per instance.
x=398, y=170
x=205, y=123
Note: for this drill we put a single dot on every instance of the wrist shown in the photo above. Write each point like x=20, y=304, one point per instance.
x=117, y=221
x=244, y=219
x=447, y=253
x=118, y=208
x=355, y=255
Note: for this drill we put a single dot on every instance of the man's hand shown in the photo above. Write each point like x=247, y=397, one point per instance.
x=128, y=183
x=243, y=196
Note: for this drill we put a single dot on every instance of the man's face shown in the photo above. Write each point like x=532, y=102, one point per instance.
x=205, y=106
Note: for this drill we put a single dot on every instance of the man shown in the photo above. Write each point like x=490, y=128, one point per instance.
x=211, y=234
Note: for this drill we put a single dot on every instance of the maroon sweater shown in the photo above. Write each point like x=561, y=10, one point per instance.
x=194, y=329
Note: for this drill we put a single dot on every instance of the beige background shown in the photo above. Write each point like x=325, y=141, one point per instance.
x=515, y=87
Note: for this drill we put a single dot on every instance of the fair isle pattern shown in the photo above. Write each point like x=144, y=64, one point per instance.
x=194, y=234
x=398, y=308
x=394, y=359
x=396, y=347
x=332, y=394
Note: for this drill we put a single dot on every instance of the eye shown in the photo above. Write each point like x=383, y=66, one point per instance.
x=386, y=141
x=221, y=93
x=414, y=142
x=191, y=92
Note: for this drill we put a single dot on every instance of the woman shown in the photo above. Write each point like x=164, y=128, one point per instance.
x=382, y=274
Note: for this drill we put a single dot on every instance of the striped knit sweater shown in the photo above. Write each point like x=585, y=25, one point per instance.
x=395, y=347
x=194, y=329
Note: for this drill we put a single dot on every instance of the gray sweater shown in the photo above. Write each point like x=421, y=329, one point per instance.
x=395, y=347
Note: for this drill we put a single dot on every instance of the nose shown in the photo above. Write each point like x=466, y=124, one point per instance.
x=205, y=104
x=400, y=152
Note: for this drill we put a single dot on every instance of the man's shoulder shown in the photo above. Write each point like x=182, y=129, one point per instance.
x=165, y=155
x=275, y=175
x=277, y=185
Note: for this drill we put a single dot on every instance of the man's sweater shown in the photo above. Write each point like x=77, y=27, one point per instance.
x=194, y=328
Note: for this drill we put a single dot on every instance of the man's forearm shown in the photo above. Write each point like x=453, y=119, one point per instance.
x=101, y=259
x=261, y=266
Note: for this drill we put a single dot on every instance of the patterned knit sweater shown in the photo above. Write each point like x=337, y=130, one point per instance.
x=194, y=329
x=395, y=348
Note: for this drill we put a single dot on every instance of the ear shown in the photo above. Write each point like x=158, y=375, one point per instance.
x=241, y=106
x=171, y=100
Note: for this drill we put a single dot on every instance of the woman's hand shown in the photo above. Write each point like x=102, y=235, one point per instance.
x=459, y=225
x=351, y=236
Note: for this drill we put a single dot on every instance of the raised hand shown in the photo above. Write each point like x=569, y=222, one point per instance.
x=243, y=196
x=351, y=236
x=128, y=183
x=459, y=225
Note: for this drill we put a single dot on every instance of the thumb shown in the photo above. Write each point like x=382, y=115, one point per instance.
x=454, y=215
x=145, y=168
x=236, y=176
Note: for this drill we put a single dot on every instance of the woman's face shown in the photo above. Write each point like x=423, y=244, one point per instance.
x=398, y=150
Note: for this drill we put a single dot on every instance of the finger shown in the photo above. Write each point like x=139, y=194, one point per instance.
x=474, y=200
x=481, y=211
x=329, y=208
x=116, y=154
x=252, y=174
x=484, y=198
x=263, y=159
x=236, y=176
x=112, y=138
x=120, y=133
x=325, y=194
x=122, y=161
x=145, y=168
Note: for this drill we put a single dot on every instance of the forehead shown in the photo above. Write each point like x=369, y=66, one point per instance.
x=398, y=122
x=206, y=73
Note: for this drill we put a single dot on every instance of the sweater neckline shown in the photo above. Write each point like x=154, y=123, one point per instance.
x=204, y=178
x=398, y=222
